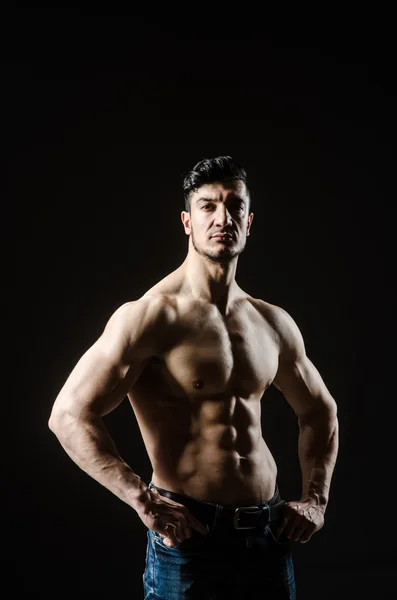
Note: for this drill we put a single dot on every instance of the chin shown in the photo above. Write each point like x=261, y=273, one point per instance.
x=221, y=256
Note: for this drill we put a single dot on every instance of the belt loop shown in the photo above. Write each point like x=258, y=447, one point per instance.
x=218, y=509
x=269, y=512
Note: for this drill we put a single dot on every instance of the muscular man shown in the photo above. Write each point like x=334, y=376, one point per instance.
x=195, y=355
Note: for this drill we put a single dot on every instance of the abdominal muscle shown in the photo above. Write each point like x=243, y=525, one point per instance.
x=211, y=450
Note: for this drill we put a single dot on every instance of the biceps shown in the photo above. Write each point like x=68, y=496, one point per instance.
x=98, y=383
x=302, y=386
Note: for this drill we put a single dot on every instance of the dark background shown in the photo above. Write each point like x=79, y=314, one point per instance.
x=102, y=117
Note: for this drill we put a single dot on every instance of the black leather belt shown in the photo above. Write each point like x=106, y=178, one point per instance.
x=236, y=517
x=250, y=517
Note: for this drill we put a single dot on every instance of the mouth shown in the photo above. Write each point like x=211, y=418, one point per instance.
x=222, y=237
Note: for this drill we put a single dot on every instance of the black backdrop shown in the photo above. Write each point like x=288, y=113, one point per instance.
x=103, y=115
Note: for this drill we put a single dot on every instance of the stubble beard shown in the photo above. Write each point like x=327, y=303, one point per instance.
x=222, y=255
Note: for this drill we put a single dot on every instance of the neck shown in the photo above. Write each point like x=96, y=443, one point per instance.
x=210, y=280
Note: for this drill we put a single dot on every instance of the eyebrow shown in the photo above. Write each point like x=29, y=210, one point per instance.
x=230, y=199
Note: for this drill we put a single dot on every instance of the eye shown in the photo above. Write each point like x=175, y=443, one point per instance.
x=233, y=207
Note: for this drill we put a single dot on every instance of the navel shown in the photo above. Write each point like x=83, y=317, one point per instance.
x=198, y=384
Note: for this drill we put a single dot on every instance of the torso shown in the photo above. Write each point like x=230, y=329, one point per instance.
x=198, y=402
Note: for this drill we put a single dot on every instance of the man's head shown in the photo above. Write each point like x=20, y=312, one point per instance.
x=217, y=201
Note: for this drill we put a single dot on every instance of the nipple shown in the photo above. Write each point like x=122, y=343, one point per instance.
x=198, y=384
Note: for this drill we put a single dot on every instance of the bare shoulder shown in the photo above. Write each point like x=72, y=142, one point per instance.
x=283, y=325
x=139, y=321
x=149, y=307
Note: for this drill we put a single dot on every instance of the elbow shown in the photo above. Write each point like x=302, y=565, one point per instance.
x=60, y=420
x=333, y=414
x=55, y=422
x=66, y=418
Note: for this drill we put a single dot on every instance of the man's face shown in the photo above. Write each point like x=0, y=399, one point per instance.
x=215, y=209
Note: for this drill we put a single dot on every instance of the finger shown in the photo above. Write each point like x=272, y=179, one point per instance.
x=170, y=539
x=184, y=514
x=307, y=533
x=305, y=537
x=187, y=530
x=283, y=527
x=180, y=532
x=296, y=534
x=291, y=530
x=182, y=527
x=288, y=532
x=195, y=523
x=171, y=543
x=186, y=520
x=293, y=520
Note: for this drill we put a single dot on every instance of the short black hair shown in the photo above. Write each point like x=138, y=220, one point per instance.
x=209, y=170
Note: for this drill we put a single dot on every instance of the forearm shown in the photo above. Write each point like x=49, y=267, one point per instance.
x=318, y=449
x=89, y=444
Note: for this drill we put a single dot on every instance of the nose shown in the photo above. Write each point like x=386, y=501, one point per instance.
x=222, y=216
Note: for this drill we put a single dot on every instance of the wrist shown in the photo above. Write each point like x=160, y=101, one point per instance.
x=317, y=499
x=316, y=487
x=138, y=493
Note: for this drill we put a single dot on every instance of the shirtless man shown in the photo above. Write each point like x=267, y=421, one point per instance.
x=195, y=355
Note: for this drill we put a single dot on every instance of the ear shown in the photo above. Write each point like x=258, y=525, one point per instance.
x=250, y=218
x=185, y=217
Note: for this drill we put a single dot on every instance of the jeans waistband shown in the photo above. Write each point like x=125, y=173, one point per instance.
x=229, y=516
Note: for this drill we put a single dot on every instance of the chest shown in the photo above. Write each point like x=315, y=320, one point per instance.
x=211, y=356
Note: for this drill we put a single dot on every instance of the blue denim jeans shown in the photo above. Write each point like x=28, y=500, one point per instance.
x=223, y=565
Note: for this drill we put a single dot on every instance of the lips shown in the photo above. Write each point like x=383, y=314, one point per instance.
x=222, y=236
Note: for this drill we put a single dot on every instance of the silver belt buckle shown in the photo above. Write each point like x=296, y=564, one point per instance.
x=245, y=509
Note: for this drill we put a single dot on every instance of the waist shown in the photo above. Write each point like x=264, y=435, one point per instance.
x=217, y=475
x=229, y=516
